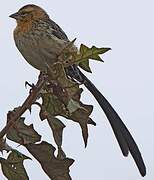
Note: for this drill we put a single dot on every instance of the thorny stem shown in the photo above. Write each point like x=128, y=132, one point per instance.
x=26, y=104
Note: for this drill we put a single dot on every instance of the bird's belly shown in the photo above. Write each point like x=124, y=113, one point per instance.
x=37, y=56
x=38, y=59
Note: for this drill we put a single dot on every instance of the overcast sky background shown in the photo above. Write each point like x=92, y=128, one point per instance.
x=126, y=79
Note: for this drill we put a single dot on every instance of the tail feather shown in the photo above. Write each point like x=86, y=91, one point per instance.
x=123, y=136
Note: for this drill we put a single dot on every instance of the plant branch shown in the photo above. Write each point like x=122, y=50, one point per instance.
x=13, y=116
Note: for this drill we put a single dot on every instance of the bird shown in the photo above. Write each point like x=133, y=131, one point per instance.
x=40, y=40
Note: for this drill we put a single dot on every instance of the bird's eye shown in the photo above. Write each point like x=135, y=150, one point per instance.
x=24, y=14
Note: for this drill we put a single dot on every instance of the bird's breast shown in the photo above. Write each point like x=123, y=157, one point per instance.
x=38, y=48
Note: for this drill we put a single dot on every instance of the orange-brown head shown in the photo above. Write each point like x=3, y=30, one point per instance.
x=29, y=12
x=27, y=15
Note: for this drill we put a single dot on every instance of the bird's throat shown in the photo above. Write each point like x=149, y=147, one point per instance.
x=23, y=27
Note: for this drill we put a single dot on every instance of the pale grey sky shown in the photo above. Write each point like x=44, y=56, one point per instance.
x=126, y=79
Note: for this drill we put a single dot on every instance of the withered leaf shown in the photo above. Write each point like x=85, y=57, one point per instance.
x=22, y=133
x=81, y=116
x=13, y=167
x=73, y=105
x=64, y=89
x=57, y=128
x=64, y=100
x=53, y=105
x=4, y=145
x=56, y=169
x=65, y=83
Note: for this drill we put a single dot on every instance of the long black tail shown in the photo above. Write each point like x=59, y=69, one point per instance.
x=123, y=136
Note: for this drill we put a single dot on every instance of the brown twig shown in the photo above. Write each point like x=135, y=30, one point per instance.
x=26, y=104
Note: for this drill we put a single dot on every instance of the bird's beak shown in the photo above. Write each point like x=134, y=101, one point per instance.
x=15, y=15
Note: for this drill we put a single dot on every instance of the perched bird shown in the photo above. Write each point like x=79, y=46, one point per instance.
x=40, y=40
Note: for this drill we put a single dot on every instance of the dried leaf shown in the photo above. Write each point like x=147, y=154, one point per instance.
x=57, y=101
x=81, y=116
x=56, y=169
x=61, y=154
x=52, y=105
x=64, y=100
x=22, y=133
x=64, y=82
x=4, y=145
x=57, y=128
x=72, y=106
x=13, y=167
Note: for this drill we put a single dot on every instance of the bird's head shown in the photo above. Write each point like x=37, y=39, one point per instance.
x=29, y=13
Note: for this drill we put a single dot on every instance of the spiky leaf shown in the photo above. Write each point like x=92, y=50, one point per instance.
x=13, y=167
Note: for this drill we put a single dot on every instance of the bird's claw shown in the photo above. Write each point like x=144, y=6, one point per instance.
x=28, y=84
